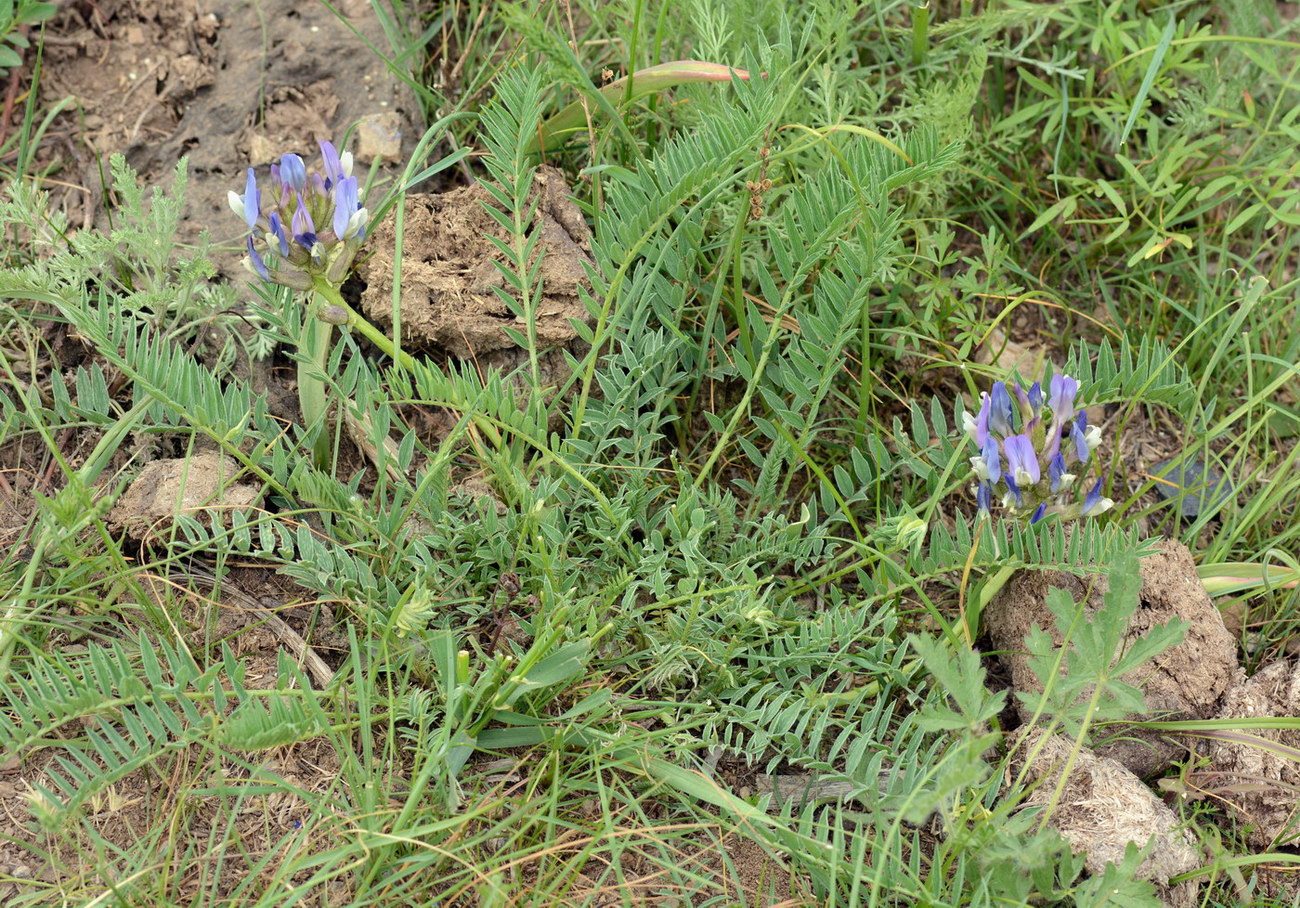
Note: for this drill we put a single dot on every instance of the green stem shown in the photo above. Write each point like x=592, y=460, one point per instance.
x=920, y=31
x=350, y=320
x=314, y=345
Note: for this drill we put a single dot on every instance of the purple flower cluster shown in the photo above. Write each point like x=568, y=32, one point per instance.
x=1032, y=450
x=308, y=222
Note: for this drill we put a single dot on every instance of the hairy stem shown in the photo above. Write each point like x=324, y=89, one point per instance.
x=314, y=345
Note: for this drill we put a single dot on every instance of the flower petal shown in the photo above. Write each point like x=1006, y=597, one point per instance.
x=1079, y=435
x=1022, y=460
x=252, y=200
x=1000, y=410
x=1063, y=391
x=293, y=171
x=333, y=167
x=345, y=205
x=1094, y=504
x=277, y=230
x=255, y=259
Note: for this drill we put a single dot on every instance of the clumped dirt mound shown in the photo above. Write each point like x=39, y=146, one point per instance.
x=1184, y=682
x=1103, y=808
x=450, y=279
x=1261, y=781
x=201, y=485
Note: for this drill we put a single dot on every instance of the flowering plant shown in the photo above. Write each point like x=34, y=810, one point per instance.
x=306, y=229
x=1032, y=451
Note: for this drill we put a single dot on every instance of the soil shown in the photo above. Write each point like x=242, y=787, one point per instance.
x=202, y=485
x=227, y=83
x=1184, y=682
x=1102, y=808
x=451, y=284
x=1258, y=780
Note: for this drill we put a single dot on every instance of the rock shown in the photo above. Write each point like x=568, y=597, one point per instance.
x=1184, y=682
x=1192, y=484
x=201, y=486
x=1259, y=777
x=1103, y=808
x=379, y=136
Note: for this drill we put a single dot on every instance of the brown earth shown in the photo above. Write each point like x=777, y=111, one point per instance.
x=451, y=281
x=227, y=83
x=1184, y=682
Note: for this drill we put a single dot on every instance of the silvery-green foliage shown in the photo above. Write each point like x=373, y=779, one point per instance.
x=136, y=264
x=119, y=707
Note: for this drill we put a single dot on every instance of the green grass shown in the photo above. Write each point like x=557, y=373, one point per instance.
x=739, y=544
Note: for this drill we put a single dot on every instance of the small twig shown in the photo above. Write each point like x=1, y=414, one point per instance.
x=321, y=673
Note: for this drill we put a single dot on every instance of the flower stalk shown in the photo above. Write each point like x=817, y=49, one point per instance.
x=306, y=227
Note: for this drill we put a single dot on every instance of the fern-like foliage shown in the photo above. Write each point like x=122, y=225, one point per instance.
x=138, y=263
x=134, y=706
x=812, y=696
x=1145, y=372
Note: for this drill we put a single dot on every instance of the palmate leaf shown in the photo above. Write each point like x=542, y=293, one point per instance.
x=1098, y=654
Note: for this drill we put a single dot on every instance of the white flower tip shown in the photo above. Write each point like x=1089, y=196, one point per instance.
x=359, y=219
x=968, y=423
x=1100, y=507
x=236, y=202
x=345, y=163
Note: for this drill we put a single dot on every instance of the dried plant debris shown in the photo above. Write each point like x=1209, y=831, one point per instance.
x=450, y=279
x=201, y=486
x=1102, y=808
x=1186, y=681
x=1191, y=485
x=1257, y=770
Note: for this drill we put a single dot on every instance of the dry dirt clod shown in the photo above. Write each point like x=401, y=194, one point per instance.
x=1103, y=808
x=1262, y=783
x=450, y=278
x=203, y=485
x=1184, y=682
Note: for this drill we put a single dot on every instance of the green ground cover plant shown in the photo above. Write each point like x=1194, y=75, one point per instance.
x=698, y=622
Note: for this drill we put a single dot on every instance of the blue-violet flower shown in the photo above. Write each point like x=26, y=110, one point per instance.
x=306, y=224
x=1030, y=460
